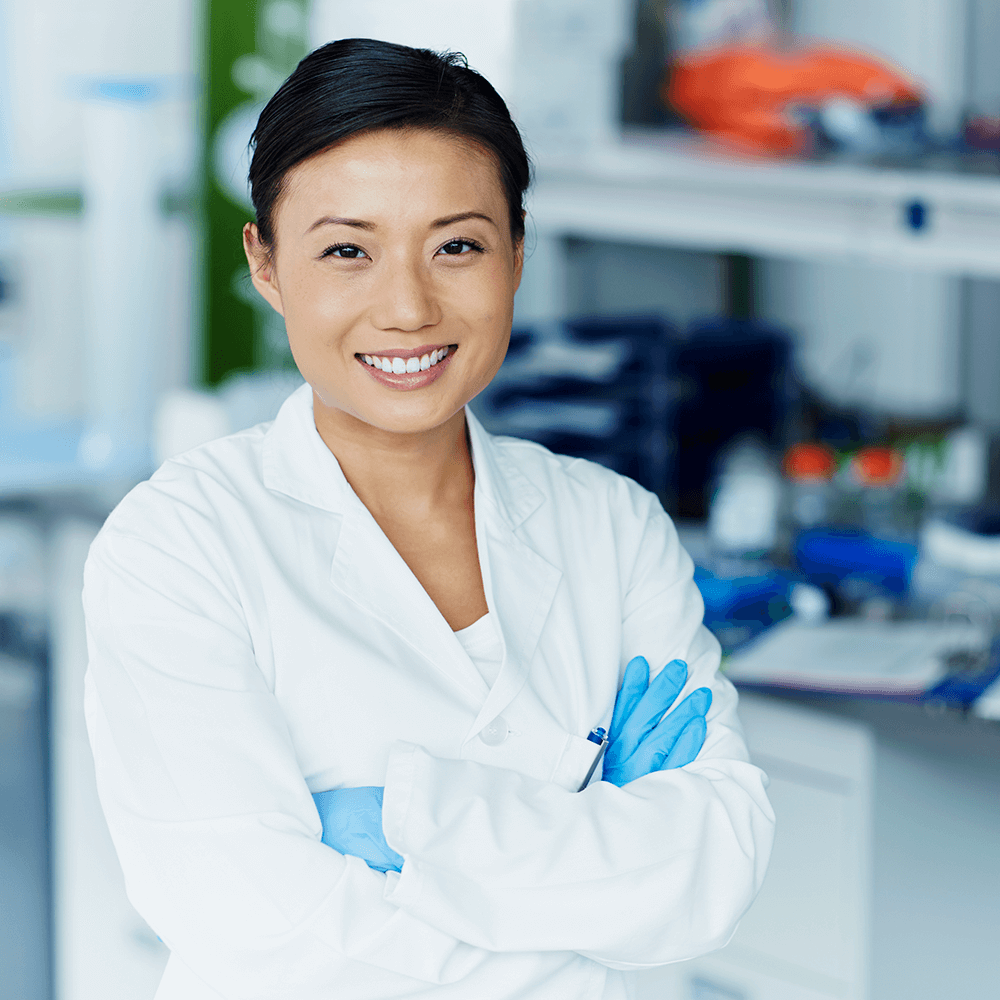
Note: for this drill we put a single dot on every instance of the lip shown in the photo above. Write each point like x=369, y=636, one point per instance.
x=410, y=380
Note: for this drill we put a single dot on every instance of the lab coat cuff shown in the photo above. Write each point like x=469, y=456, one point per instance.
x=400, y=778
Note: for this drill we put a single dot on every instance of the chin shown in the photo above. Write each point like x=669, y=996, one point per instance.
x=405, y=417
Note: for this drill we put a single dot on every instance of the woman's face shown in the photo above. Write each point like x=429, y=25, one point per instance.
x=394, y=246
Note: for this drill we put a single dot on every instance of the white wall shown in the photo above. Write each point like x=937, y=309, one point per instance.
x=484, y=32
x=879, y=337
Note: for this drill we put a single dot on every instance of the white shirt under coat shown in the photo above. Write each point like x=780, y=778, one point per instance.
x=254, y=637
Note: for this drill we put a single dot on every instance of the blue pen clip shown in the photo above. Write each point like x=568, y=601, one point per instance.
x=597, y=735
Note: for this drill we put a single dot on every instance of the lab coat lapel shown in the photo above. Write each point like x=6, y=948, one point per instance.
x=371, y=573
x=366, y=568
x=520, y=585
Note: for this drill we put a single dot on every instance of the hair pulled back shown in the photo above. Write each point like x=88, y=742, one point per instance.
x=359, y=85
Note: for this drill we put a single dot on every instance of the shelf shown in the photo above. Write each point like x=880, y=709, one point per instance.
x=677, y=191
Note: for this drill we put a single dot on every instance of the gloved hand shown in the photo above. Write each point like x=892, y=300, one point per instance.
x=642, y=739
x=352, y=824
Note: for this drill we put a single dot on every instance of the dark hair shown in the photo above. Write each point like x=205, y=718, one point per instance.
x=358, y=85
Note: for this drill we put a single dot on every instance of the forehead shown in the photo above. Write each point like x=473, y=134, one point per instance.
x=394, y=174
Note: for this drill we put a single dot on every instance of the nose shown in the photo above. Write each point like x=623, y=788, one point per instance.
x=405, y=299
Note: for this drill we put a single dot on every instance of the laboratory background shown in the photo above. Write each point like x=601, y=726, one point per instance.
x=762, y=279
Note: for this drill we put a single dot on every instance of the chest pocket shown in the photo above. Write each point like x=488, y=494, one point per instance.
x=575, y=763
x=528, y=739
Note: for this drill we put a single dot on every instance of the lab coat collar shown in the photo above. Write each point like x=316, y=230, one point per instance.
x=520, y=585
x=297, y=463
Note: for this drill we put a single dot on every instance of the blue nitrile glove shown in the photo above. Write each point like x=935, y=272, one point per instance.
x=352, y=824
x=639, y=742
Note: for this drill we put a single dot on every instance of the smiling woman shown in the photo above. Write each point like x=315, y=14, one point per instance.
x=389, y=270
x=351, y=672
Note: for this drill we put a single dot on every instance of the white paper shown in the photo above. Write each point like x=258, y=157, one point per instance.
x=854, y=656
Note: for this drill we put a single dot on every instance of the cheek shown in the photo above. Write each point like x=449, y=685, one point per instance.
x=315, y=312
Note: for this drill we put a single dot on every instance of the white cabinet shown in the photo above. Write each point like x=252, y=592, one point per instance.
x=805, y=938
x=884, y=883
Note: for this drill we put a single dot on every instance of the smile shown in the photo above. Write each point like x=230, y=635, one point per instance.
x=406, y=370
x=406, y=366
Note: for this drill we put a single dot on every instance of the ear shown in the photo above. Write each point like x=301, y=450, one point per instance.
x=261, y=263
x=518, y=259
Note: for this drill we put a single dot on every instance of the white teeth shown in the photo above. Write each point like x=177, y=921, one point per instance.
x=397, y=366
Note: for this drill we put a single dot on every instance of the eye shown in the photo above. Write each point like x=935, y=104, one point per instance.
x=456, y=248
x=346, y=251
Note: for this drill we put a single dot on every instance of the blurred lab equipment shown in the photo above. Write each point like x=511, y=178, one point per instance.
x=809, y=468
x=122, y=320
x=854, y=565
x=737, y=77
x=125, y=297
x=878, y=474
x=594, y=388
x=25, y=939
x=741, y=599
x=635, y=394
x=743, y=517
x=795, y=101
x=732, y=380
x=858, y=657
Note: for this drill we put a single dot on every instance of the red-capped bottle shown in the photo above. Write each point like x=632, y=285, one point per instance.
x=880, y=473
x=809, y=469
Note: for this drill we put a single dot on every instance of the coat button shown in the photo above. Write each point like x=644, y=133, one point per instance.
x=495, y=733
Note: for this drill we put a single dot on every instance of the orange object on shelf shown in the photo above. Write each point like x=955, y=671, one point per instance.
x=743, y=95
x=878, y=466
x=810, y=463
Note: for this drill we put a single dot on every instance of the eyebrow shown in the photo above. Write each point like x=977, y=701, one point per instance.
x=328, y=220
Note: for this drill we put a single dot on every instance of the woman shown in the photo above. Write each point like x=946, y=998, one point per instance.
x=372, y=593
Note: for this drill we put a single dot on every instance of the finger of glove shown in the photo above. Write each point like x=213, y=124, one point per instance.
x=658, y=697
x=688, y=745
x=634, y=685
x=657, y=746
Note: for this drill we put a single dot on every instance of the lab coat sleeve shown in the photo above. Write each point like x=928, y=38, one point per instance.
x=212, y=820
x=657, y=871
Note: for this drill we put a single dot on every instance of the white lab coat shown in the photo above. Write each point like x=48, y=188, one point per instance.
x=254, y=637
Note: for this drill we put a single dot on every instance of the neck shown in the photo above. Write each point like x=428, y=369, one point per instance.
x=409, y=474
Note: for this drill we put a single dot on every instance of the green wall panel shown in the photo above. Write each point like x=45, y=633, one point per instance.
x=251, y=47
